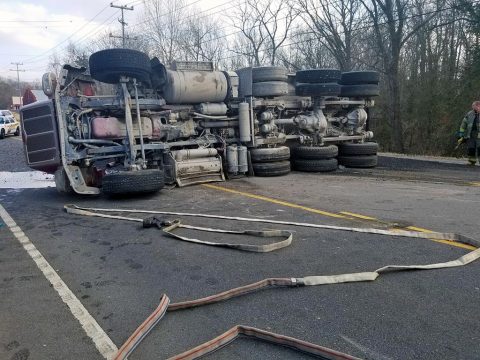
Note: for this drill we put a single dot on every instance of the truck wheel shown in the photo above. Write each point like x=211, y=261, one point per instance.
x=133, y=182
x=62, y=183
x=319, y=89
x=264, y=155
x=269, y=73
x=271, y=168
x=17, y=131
x=363, y=90
x=368, y=148
x=358, y=161
x=318, y=76
x=109, y=65
x=360, y=77
x=315, y=152
x=309, y=165
x=270, y=88
x=2, y=133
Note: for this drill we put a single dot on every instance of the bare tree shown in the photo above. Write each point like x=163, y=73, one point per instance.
x=163, y=27
x=277, y=20
x=303, y=52
x=264, y=27
x=335, y=25
x=392, y=30
x=54, y=64
x=202, y=40
x=250, y=41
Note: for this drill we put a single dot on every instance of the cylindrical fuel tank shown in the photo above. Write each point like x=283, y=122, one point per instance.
x=187, y=154
x=114, y=128
x=232, y=159
x=213, y=108
x=190, y=87
x=244, y=122
x=242, y=159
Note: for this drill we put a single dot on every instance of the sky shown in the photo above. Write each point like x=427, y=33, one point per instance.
x=32, y=31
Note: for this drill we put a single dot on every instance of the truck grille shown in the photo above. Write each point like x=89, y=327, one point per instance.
x=40, y=136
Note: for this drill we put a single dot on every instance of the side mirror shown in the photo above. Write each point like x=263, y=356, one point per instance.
x=49, y=82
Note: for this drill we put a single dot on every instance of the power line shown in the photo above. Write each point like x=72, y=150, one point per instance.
x=35, y=21
x=69, y=37
x=136, y=25
x=46, y=54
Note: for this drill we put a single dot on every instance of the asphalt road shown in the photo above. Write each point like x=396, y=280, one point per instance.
x=119, y=270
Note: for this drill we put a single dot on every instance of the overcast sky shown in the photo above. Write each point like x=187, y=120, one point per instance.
x=31, y=31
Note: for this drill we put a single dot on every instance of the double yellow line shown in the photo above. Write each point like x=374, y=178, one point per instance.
x=341, y=215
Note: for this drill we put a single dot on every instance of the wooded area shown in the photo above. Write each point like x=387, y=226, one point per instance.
x=428, y=53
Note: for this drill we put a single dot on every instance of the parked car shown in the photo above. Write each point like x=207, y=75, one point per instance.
x=8, y=126
x=6, y=113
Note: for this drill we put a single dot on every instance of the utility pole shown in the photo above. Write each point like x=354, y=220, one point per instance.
x=18, y=79
x=121, y=20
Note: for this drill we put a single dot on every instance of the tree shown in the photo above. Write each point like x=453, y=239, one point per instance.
x=264, y=27
x=7, y=90
x=249, y=42
x=335, y=26
x=304, y=52
x=164, y=28
x=202, y=40
x=392, y=31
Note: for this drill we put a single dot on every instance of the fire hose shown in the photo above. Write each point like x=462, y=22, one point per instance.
x=230, y=335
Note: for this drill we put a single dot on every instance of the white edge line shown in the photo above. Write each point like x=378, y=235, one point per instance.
x=102, y=342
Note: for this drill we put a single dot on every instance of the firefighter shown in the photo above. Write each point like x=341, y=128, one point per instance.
x=470, y=133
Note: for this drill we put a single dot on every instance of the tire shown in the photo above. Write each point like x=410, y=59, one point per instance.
x=264, y=155
x=318, y=76
x=320, y=89
x=17, y=131
x=368, y=148
x=109, y=65
x=2, y=133
x=364, y=90
x=133, y=182
x=62, y=183
x=271, y=168
x=358, y=161
x=309, y=165
x=269, y=73
x=360, y=77
x=315, y=152
x=270, y=88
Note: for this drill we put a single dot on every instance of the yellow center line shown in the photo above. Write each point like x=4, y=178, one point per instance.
x=474, y=183
x=341, y=215
x=360, y=216
x=447, y=242
x=275, y=201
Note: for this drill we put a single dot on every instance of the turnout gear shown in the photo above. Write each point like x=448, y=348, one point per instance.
x=469, y=133
x=469, y=126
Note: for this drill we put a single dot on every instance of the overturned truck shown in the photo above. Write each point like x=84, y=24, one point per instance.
x=129, y=124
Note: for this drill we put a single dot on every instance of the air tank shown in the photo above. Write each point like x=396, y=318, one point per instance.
x=244, y=122
x=242, y=159
x=213, y=108
x=190, y=87
x=232, y=159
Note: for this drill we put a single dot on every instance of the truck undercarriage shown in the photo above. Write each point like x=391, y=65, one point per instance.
x=130, y=125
